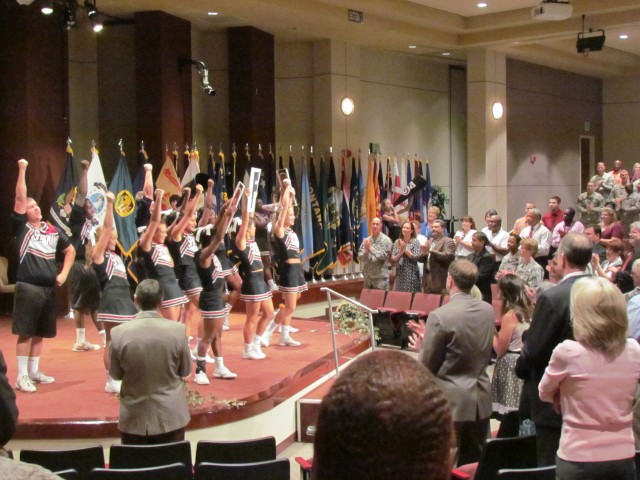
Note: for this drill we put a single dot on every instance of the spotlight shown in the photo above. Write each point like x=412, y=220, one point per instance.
x=91, y=9
x=47, y=7
x=96, y=23
x=69, y=20
x=202, y=71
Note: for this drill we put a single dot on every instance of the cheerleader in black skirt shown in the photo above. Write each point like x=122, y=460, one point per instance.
x=159, y=264
x=183, y=248
x=255, y=291
x=116, y=305
x=291, y=280
x=212, y=305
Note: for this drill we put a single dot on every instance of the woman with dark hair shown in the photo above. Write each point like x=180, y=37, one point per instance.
x=515, y=318
x=404, y=255
x=612, y=264
x=592, y=380
x=463, y=237
x=159, y=263
x=511, y=260
x=394, y=424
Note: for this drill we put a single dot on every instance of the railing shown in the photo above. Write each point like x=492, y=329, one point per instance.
x=333, y=329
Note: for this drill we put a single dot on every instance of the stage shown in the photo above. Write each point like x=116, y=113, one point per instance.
x=76, y=405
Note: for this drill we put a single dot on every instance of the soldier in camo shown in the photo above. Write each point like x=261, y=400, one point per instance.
x=374, y=255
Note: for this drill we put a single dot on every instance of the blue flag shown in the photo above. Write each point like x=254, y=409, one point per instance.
x=124, y=208
x=319, y=247
x=328, y=259
x=138, y=182
x=345, y=252
x=60, y=210
x=354, y=208
x=306, y=219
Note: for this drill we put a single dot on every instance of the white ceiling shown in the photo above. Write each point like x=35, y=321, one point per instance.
x=433, y=26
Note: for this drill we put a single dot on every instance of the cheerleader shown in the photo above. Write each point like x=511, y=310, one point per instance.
x=159, y=264
x=182, y=247
x=212, y=304
x=255, y=291
x=115, y=305
x=291, y=280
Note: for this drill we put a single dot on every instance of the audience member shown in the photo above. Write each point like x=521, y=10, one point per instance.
x=589, y=205
x=596, y=440
x=603, y=182
x=629, y=208
x=374, y=254
x=437, y=255
x=610, y=226
x=515, y=318
x=613, y=262
x=394, y=424
x=568, y=225
x=456, y=347
x=404, y=256
x=616, y=172
x=593, y=233
x=484, y=261
x=463, y=237
x=551, y=325
x=623, y=278
x=541, y=234
x=553, y=216
x=633, y=303
x=390, y=219
x=498, y=238
x=521, y=222
x=619, y=191
x=511, y=260
x=528, y=270
x=150, y=354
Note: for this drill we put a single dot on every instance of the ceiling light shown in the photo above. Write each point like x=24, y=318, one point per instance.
x=446, y=54
x=412, y=46
x=497, y=110
x=624, y=36
x=482, y=5
x=96, y=23
x=212, y=14
x=47, y=7
x=91, y=9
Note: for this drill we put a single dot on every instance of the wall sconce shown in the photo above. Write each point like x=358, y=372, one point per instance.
x=497, y=110
x=347, y=106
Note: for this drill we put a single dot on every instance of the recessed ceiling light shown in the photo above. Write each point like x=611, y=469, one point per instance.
x=412, y=46
x=482, y=5
x=212, y=14
x=446, y=54
x=624, y=36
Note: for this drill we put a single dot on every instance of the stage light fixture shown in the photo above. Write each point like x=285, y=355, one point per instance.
x=90, y=8
x=47, y=7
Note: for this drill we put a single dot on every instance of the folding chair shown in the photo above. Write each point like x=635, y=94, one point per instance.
x=83, y=460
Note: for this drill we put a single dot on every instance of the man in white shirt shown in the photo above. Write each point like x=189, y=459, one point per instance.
x=498, y=238
x=535, y=229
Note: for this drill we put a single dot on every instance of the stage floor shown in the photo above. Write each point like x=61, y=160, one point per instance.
x=76, y=405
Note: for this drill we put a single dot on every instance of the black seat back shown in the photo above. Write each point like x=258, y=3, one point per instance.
x=272, y=470
x=83, y=460
x=243, y=451
x=145, y=456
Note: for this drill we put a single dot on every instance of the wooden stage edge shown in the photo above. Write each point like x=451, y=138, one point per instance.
x=215, y=414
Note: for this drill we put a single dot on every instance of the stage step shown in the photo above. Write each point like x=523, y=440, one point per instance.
x=308, y=408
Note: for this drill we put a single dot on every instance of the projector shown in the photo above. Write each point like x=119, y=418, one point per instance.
x=552, y=11
x=592, y=43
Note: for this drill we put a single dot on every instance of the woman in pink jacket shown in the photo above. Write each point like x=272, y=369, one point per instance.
x=592, y=382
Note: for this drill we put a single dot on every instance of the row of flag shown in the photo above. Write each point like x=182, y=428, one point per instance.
x=332, y=219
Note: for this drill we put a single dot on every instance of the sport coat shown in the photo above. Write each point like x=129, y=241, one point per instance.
x=442, y=253
x=150, y=354
x=550, y=326
x=457, y=348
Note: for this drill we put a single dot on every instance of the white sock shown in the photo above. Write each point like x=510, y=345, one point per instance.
x=248, y=347
x=23, y=363
x=81, y=335
x=227, y=307
x=110, y=378
x=272, y=284
x=103, y=335
x=272, y=325
x=219, y=362
x=256, y=340
x=34, y=364
x=285, y=331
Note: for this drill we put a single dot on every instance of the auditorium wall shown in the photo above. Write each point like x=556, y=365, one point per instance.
x=621, y=120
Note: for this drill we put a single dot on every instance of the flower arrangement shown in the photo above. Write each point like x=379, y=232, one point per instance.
x=352, y=319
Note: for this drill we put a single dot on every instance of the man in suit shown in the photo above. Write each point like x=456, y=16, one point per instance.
x=150, y=354
x=484, y=261
x=456, y=347
x=438, y=253
x=551, y=325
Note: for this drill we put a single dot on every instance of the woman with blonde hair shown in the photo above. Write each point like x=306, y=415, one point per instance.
x=592, y=380
x=611, y=227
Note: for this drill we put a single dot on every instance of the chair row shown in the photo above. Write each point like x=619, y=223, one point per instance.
x=121, y=457
x=271, y=470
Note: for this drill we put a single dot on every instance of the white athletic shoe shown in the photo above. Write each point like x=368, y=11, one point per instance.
x=292, y=329
x=72, y=314
x=24, y=384
x=265, y=338
x=112, y=386
x=224, y=373
x=254, y=354
x=209, y=359
x=289, y=342
x=40, y=377
x=201, y=378
x=85, y=347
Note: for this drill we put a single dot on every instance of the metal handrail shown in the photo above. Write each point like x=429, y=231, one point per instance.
x=370, y=311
